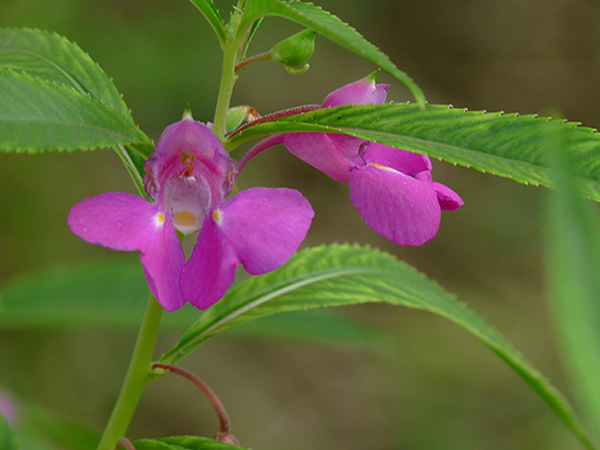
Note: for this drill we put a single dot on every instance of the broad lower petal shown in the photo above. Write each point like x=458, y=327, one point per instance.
x=399, y=207
x=265, y=226
x=127, y=222
x=318, y=150
x=211, y=269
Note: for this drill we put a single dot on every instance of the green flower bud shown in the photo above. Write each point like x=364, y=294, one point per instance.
x=295, y=51
x=240, y=115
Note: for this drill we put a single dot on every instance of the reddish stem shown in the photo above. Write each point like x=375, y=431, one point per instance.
x=251, y=60
x=212, y=397
x=276, y=116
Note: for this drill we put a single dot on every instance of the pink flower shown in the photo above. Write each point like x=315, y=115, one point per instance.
x=188, y=178
x=391, y=188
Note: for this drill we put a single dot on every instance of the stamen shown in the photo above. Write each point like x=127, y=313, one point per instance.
x=187, y=159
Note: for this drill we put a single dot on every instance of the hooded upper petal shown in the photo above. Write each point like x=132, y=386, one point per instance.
x=361, y=92
x=127, y=222
x=189, y=174
x=399, y=207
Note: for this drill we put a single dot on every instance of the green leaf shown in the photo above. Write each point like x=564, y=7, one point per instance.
x=7, y=440
x=80, y=296
x=210, y=12
x=54, y=58
x=112, y=294
x=39, y=116
x=507, y=145
x=343, y=275
x=573, y=249
x=332, y=28
x=182, y=443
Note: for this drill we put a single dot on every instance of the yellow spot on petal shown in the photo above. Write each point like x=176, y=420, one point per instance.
x=185, y=219
x=379, y=166
x=216, y=216
x=160, y=218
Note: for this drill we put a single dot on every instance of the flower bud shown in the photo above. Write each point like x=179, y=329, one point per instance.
x=295, y=51
x=240, y=115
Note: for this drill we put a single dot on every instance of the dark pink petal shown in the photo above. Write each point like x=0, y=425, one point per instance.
x=321, y=152
x=211, y=269
x=360, y=92
x=400, y=160
x=265, y=226
x=127, y=222
x=449, y=200
x=401, y=208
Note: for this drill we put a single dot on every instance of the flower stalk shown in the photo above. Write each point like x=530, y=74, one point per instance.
x=137, y=377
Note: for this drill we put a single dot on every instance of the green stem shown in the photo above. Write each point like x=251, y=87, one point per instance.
x=231, y=46
x=138, y=375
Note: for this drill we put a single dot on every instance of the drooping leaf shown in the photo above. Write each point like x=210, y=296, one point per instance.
x=342, y=275
x=112, y=294
x=51, y=57
x=182, y=443
x=332, y=28
x=38, y=116
x=573, y=248
x=210, y=12
x=507, y=145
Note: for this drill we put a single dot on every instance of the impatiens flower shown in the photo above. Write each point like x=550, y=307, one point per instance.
x=391, y=188
x=188, y=179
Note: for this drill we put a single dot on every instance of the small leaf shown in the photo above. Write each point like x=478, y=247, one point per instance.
x=507, y=145
x=182, y=443
x=343, y=275
x=211, y=14
x=573, y=249
x=329, y=26
x=39, y=116
x=53, y=58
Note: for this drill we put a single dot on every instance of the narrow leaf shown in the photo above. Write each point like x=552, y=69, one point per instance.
x=507, y=145
x=39, y=116
x=182, y=443
x=573, y=246
x=332, y=28
x=112, y=294
x=211, y=14
x=51, y=57
x=342, y=275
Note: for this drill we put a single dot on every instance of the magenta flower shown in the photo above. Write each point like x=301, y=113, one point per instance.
x=391, y=188
x=188, y=178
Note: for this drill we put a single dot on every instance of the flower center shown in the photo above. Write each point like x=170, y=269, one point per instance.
x=185, y=220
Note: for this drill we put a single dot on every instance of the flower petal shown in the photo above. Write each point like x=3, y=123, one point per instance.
x=360, y=92
x=127, y=222
x=449, y=200
x=265, y=226
x=401, y=208
x=400, y=160
x=211, y=269
x=321, y=152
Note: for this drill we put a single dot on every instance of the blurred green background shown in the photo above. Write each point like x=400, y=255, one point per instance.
x=437, y=387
